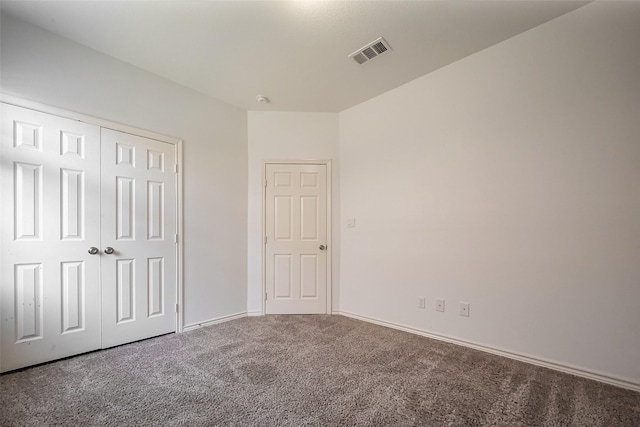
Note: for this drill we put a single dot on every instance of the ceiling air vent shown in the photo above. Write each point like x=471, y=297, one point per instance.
x=371, y=51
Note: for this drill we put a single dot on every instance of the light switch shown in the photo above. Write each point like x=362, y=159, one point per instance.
x=351, y=222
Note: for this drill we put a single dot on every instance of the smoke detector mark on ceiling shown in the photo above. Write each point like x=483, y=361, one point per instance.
x=371, y=51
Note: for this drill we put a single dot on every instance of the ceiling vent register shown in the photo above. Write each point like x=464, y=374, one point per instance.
x=371, y=51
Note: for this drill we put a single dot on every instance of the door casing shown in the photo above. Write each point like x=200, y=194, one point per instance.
x=263, y=252
x=43, y=108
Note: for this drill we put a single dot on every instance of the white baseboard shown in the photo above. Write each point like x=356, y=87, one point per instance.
x=254, y=313
x=597, y=376
x=217, y=320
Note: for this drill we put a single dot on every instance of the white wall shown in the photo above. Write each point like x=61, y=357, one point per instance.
x=288, y=136
x=509, y=180
x=40, y=66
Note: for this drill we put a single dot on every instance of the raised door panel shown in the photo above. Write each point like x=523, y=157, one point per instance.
x=155, y=287
x=283, y=218
x=125, y=155
x=155, y=210
x=73, y=300
x=282, y=276
x=125, y=290
x=125, y=208
x=72, y=204
x=155, y=160
x=308, y=276
x=28, y=302
x=72, y=144
x=27, y=195
x=309, y=218
x=27, y=135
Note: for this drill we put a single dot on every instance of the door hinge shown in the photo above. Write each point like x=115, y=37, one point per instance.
x=265, y=183
x=265, y=296
x=175, y=168
x=175, y=238
x=265, y=240
x=176, y=308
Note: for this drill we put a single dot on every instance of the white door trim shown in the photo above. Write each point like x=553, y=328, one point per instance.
x=43, y=108
x=263, y=228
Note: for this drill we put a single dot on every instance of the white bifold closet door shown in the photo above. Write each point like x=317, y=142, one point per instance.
x=139, y=224
x=50, y=296
x=70, y=190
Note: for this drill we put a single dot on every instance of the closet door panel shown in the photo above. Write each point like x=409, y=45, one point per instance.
x=139, y=224
x=50, y=284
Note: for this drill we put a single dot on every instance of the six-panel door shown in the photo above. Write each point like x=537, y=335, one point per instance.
x=139, y=224
x=50, y=301
x=296, y=232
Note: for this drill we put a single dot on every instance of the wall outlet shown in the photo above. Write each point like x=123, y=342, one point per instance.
x=439, y=304
x=422, y=302
x=464, y=309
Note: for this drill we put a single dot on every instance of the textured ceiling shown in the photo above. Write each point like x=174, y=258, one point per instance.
x=294, y=52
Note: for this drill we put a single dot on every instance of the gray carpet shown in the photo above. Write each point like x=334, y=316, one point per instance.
x=304, y=370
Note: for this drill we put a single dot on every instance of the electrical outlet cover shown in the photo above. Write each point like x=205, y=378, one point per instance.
x=464, y=309
x=439, y=304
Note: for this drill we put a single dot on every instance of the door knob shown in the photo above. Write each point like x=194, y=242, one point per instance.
x=108, y=250
x=93, y=250
x=322, y=247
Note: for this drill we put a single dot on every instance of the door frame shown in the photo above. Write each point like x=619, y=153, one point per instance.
x=263, y=226
x=103, y=123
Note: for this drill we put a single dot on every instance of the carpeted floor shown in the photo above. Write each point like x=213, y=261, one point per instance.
x=304, y=370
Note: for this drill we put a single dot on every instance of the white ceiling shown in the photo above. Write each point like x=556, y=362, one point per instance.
x=294, y=52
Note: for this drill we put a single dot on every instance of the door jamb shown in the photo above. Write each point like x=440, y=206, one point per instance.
x=263, y=231
x=103, y=123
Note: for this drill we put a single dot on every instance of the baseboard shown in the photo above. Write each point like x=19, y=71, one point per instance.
x=597, y=376
x=254, y=313
x=215, y=321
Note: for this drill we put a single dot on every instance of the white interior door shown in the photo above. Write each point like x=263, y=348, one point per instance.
x=296, y=239
x=50, y=292
x=139, y=224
